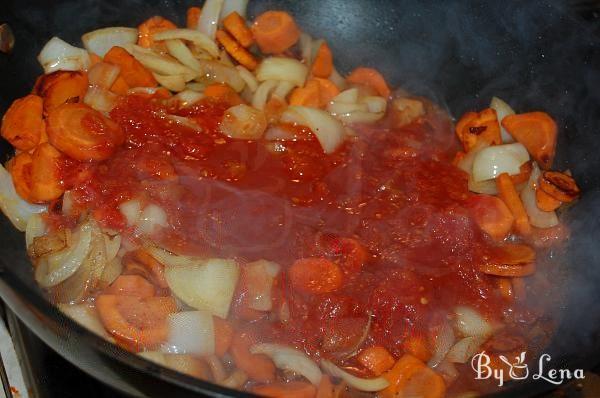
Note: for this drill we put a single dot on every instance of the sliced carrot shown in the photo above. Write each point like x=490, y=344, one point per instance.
x=505, y=287
x=258, y=367
x=120, y=86
x=23, y=123
x=192, y=17
x=236, y=26
x=524, y=173
x=510, y=260
x=546, y=202
x=46, y=179
x=309, y=95
x=62, y=86
x=371, y=78
x=20, y=171
x=140, y=262
x=376, y=359
x=275, y=31
x=491, y=215
x=274, y=108
x=150, y=27
x=410, y=377
x=559, y=185
x=132, y=71
x=510, y=196
x=417, y=346
x=223, y=93
x=292, y=389
x=323, y=63
x=139, y=323
x=131, y=285
x=537, y=132
x=475, y=128
x=315, y=275
x=327, y=91
x=83, y=133
x=326, y=388
x=236, y=50
x=223, y=335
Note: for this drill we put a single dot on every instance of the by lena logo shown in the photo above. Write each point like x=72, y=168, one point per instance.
x=517, y=369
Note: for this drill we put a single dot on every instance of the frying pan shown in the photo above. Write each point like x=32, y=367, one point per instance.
x=535, y=54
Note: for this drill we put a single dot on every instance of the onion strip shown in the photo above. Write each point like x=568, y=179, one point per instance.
x=369, y=385
x=288, y=358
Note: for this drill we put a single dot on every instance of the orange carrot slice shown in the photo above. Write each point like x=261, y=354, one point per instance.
x=132, y=71
x=235, y=49
x=309, y=95
x=223, y=93
x=236, y=26
x=275, y=32
x=140, y=262
x=524, y=173
x=46, y=181
x=150, y=27
x=62, y=86
x=537, y=132
x=315, y=275
x=292, y=389
x=23, y=123
x=559, y=185
x=410, y=377
x=546, y=202
x=20, y=171
x=131, y=285
x=510, y=260
x=482, y=127
x=323, y=64
x=376, y=359
x=120, y=86
x=327, y=91
x=492, y=215
x=223, y=335
x=417, y=347
x=371, y=78
x=258, y=366
x=510, y=196
x=192, y=17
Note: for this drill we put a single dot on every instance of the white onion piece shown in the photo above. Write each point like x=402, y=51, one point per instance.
x=112, y=270
x=172, y=260
x=185, y=121
x=538, y=218
x=502, y=110
x=160, y=63
x=262, y=93
x=488, y=187
x=276, y=133
x=369, y=385
x=375, y=104
x=216, y=367
x=494, y=160
x=86, y=316
x=248, y=77
x=305, y=43
x=182, y=53
x=57, y=267
x=143, y=90
x=235, y=380
x=448, y=371
x=359, y=117
x=188, y=97
x=213, y=71
x=171, y=82
x=470, y=323
x=291, y=359
x=36, y=227
x=337, y=79
x=151, y=218
x=112, y=244
x=101, y=40
x=464, y=349
x=209, y=18
x=12, y=205
x=443, y=340
x=328, y=130
x=243, y=122
x=339, y=108
x=283, y=89
x=262, y=273
x=100, y=99
x=198, y=38
x=67, y=203
x=238, y=6
x=205, y=284
x=279, y=68
x=190, y=332
x=195, y=86
x=60, y=55
x=103, y=75
x=349, y=96
x=131, y=210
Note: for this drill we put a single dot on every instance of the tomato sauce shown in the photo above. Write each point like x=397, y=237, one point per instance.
x=388, y=207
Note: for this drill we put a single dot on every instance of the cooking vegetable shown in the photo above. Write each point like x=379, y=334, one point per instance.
x=244, y=122
x=275, y=32
x=162, y=64
x=465, y=348
x=560, y=186
x=100, y=99
x=322, y=65
x=470, y=323
x=546, y=202
x=16, y=209
x=141, y=262
x=315, y=275
x=510, y=260
x=205, y=284
x=537, y=217
x=149, y=28
x=502, y=110
x=279, y=68
x=209, y=17
x=131, y=285
x=62, y=86
x=22, y=124
x=290, y=359
x=101, y=40
x=46, y=181
x=35, y=228
x=183, y=54
x=309, y=95
x=412, y=378
x=59, y=55
x=197, y=38
x=191, y=332
x=82, y=132
x=418, y=347
x=258, y=367
x=131, y=209
x=216, y=72
x=511, y=198
x=327, y=91
x=491, y=215
x=238, y=52
x=103, y=75
x=328, y=130
x=478, y=128
x=236, y=26
x=231, y=6
x=376, y=384
x=442, y=339
x=192, y=17
x=85, y=315
x=537, y=132
x=133, y=73
x=494, y=160
x=377, y=359
x=223, y=335
x=292, y=389
x=371, y=78
x=259, y=277
x=407, y=110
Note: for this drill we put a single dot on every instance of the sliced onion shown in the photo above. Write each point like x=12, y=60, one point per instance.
x=262, y=273
x=160, y=63
x=101, y=40
x=12, y=205
x=172, y=260
x=470, y=323
x=216, y=367
x=188, y=97
x=325, y=127
x=86, y=316
x=443, y=340
x=243, y=122
x=305, y=43
x=171, y=82
x=209, y=18
x=205, y=284
x=502, y=110
x=448, y=371
x=103, y=75
x=67, y=203
x=369, y=385
x=238, y=6
x=494, y=160
x=236, y=379
x=60, y=55
x=248, y=77
x=198, y=38
x=349, y=96
x=359, y=117
x=36, y=227
x=339, y=108
x=100, y=99
x=291, y=359
x=185, y=121
x=216, y=72
x=131, y=210
x=375, y=104
x=488, y=187
x=277, y=133
x=191, y=332
x=183, y=54
x=112, y=271
x=283, y=89
x=261, y=95
x=279, y=68
x=337, y=79
x=112, y=244
x=538, y=218
x=151, y=218
x=195, y=86
x=464, y=349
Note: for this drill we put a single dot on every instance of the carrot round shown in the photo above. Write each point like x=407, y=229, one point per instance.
x=376, y=359
x=258, y=366
x=62, y=86
x=236, y=26
x=140, y=262
x=20, y=171
x=309, y=95
x=491, y=215
x=292, y=389
x=23, y=123
x=315, y=275
x=537, y=132
x=140, y=323
x=131, y=285
x=46, y=181
x=327, y=90
x=192, y=17
x=510, y=260
x=83, y=133
x=546, y=202
x=323, y=64
x=371, y=78
x=223, y=335
x=411, y=377
x=275, y=32
x=559, y=185
x=236, y=50
x=132, y=71
x=223, y=93
x=473, y=128
x=150, y=27
x=510, y=196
